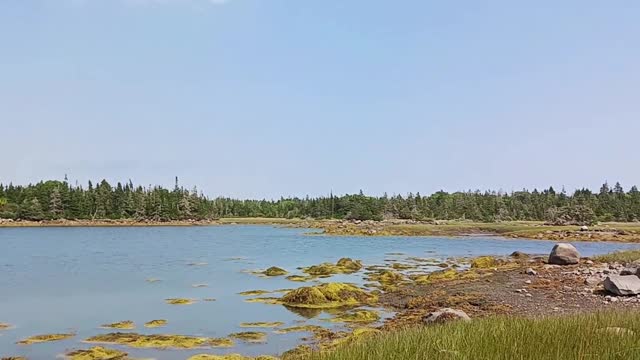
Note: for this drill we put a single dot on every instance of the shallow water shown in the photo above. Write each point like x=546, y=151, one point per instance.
x=75, y=279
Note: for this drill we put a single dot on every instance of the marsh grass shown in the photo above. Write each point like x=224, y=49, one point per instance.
x=594, y=336
x=623, y=257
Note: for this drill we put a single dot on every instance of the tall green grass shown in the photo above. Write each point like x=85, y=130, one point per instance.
x=601, y=336
x=623, y=257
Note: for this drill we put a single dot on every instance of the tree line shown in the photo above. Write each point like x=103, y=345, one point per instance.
x=48, y=200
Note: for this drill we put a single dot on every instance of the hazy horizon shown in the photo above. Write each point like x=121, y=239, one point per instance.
x=254, y=99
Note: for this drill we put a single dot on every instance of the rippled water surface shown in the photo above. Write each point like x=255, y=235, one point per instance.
x=75, y=279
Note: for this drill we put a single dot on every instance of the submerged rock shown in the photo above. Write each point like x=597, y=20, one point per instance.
x=155, y=323
x=97, y=353
x=519, y=255
x=564, y=254
x=44, y=338
x=124, y=325
x=446, y=314
x=328, y=295
x=159, y=341
x=4, y=326
x=299, y=278
x=622, y=285
x=275, y=271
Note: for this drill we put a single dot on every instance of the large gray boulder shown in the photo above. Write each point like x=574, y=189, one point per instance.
x=446, y=314
x=564, y=254
x=622, y=285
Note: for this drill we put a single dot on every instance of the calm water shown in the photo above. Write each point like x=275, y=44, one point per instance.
x=75, y=279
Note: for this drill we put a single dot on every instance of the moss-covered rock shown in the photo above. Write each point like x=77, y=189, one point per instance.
x=328, y=295
x=14, y=358
x=250, y=336
x=180, y=301
x=123, y=325
x=45, y=338
x=484, y=262
x=159, y=341
x=357, y=316
x=349, y=265
x=262, y=324
x=275, y=271
x=386, y=277
x=155, y=323
x=444, y=275
x=299, y=278
x=97, y=353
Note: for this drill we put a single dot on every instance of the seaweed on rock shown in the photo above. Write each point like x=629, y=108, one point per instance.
x=159, y=341
x=329, y=295
x=44, y=338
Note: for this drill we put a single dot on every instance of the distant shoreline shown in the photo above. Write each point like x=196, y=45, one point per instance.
x=618, y=232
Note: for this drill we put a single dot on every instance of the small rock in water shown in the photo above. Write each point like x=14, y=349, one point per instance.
x=622, y=285
x=446, y=314
x=564, y=254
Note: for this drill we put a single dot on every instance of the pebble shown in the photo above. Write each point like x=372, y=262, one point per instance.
x=528, y=282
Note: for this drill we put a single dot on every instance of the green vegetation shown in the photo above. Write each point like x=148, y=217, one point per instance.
x=357, y=316
x=604, y=336
x=159, y=341
x=61, y=200
x=45, y=338
x=343, y=266
x=623, y=257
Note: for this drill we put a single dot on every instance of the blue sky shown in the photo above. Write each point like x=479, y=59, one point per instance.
x=262, y=98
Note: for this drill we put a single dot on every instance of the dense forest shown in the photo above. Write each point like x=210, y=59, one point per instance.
x=59, y=200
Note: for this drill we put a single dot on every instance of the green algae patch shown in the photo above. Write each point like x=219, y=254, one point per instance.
x=97, y=353
x=44, y=338
x=273, y=324
x=484, y=262
x=401, y=266
x=155, y=323
x=301, y=328
x=329, y=295
x=250, y=336
x=254, y=292
x=264, y=300
x=179, y=301
x=229, y=357
x=159, y=341
x=123, y=325
x=299, y=278
x=358, y=316
x=275, y=271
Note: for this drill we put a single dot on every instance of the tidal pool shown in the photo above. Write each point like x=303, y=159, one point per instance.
x=74, y=280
